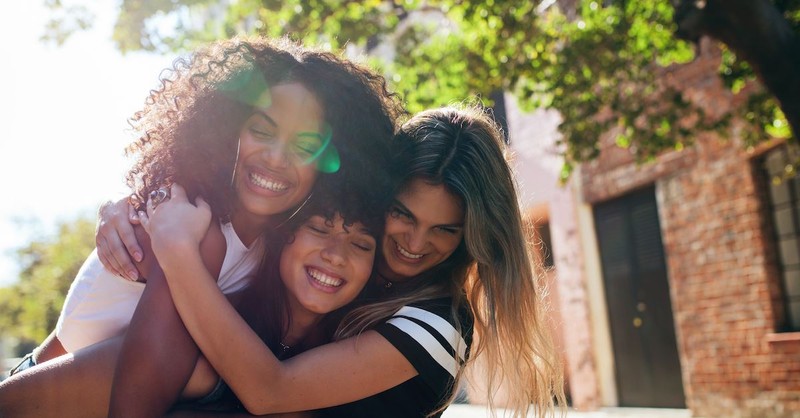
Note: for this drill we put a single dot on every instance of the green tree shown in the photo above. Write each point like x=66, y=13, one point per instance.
x=583, y=58
x=31, y=305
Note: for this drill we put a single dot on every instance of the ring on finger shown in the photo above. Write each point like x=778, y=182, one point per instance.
x=158, y=196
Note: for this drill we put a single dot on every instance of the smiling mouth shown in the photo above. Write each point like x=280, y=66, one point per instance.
x=266, y=183
x=324, y=279
x=407, y=254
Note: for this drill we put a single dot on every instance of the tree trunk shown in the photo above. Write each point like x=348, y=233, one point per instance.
x=758, y=33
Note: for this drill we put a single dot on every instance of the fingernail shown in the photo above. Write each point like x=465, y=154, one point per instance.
x=133, y=275
x=137, y=256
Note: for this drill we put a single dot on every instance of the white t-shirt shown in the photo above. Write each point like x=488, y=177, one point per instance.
x=100, y=305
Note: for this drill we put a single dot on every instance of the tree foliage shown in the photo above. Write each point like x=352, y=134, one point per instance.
x=595, y=61
x=31, y=305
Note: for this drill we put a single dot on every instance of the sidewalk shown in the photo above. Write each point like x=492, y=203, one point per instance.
x=478, y=411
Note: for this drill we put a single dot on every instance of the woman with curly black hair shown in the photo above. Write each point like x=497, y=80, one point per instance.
x=249, y=124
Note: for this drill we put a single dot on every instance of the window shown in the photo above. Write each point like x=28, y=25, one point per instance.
x=543, y=232
x=784, y=214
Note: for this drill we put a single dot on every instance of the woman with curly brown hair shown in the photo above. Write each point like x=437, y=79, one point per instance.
x=250, y=125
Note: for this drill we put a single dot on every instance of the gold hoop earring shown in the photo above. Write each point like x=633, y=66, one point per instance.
x=235, y=163
x=295, y=211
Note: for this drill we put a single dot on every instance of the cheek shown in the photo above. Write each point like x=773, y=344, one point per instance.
x=246, y=144
x=306, y=176
x=392, y=226
x=287, y=263
x=448, y=246
x=366, y=268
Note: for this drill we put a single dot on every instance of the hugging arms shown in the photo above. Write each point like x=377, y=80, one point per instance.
x=452, y=249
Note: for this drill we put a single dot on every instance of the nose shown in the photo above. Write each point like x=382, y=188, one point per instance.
x=334, y=252
x=276, y=155
x=415, y=240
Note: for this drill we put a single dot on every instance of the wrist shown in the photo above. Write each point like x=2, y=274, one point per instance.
x=174, y=253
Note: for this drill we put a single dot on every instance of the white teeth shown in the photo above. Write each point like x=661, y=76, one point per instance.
x=272, y=185
x=325, y=279
x=408, y=254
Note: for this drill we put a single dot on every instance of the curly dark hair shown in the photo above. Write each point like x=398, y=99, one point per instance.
x=264, y=304
x=190, y=125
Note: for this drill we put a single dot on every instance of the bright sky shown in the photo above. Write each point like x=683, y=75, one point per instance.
x=63, y=113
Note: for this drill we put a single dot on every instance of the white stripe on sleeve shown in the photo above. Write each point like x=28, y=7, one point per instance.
x=428, y=342
x=444, y=328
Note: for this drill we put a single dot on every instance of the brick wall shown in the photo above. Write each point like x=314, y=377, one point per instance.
x=720, y=261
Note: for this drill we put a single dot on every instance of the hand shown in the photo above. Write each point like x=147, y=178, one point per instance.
x=117, y=246
x=175, y=224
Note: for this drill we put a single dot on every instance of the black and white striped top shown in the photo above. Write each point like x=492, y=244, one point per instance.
x=426, y=335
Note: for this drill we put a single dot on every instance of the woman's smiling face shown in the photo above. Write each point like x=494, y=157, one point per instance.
x=424, y=227
x=326, y=264
x=273, y=171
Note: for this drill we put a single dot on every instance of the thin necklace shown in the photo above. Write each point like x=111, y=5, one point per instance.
x=387, y=283
x=390, y=285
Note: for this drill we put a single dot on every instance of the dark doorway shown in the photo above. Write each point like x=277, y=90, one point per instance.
x=647, y=367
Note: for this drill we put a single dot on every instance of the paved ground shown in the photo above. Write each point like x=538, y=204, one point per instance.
x=475, y=411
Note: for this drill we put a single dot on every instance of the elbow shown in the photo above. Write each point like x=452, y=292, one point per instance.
x=258, y=404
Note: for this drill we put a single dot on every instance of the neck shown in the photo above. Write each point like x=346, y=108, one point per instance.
x=248, y=227
x=301, y=326
x=385, y=274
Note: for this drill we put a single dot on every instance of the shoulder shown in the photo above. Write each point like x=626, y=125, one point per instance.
x=213, y=248
x=429, y=335
x=438, y=314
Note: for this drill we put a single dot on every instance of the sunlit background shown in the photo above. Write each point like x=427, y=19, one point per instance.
x=63, y=122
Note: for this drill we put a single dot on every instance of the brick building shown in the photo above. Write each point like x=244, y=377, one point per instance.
x=679, y=279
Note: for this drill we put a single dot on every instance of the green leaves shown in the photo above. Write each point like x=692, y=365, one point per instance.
x=48, y=265
x=602, y=64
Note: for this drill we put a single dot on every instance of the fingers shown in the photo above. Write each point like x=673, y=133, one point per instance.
x=115, y=240
x=144, y=220
x=177, y=191
x=133, y=217
x=128, y=237
x=201, y=203
x=105, y=254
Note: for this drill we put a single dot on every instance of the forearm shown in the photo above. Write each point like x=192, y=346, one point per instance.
x=330, y=375
x=226, y=340
x=211, y=414
x=69, y=386
x=157, y=357
x=159, y=354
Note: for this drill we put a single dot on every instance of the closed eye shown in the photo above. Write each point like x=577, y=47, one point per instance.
x=317, y=229
x=396, y=212
x=261, y=134
x=449, y=230
x=364, y=246
x=317, y=224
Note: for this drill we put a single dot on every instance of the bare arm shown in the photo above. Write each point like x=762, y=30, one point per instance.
x=158, y=355
x=210, y=414
x=330, y=375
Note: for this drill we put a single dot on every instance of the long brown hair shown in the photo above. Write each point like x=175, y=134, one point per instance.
x=492, y=271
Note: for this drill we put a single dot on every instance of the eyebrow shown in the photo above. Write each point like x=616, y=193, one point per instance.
x=362, y=230
x=305, y=134
x=412, y=216
x=265, y=117
x=310, y=134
